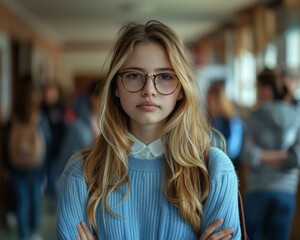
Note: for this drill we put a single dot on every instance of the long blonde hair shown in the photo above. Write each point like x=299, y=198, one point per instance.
x=186, y=135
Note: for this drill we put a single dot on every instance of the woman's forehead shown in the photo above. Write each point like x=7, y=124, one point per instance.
x=148, y=55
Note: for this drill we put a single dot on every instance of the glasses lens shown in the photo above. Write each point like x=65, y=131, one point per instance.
x=133, y=81
x=166, y=83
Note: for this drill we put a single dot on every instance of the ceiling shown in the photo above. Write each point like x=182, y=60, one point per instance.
x=97, y=21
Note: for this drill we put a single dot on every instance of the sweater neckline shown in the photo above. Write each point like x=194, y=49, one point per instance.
x=146, y=165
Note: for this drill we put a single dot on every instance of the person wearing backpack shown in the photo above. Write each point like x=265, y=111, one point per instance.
x=25, y=146
x=53, y=109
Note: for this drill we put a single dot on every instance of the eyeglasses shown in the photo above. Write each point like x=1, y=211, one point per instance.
x=164, y=83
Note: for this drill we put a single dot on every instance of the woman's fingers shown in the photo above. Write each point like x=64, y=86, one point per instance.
x=211, y=228
x=84, y=232
x=210, y=234
x=224, y=234
x=226, y=238
x=81, y=233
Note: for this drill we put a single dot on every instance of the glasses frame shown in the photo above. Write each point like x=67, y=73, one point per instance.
x=147, y=75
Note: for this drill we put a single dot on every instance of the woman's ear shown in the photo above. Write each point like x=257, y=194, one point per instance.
x=180, y=95
x=117, y=92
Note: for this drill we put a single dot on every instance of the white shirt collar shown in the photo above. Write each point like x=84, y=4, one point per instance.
x=150, y=151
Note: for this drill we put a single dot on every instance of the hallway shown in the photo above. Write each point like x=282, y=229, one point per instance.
x=48, y=225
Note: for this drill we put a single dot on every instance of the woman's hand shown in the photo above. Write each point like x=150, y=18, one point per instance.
x=84, y=232
x=210, y=234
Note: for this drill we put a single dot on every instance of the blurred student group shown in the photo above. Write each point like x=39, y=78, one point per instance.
x=251, y=93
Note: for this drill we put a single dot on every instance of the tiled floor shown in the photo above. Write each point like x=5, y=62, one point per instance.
x=48, y=225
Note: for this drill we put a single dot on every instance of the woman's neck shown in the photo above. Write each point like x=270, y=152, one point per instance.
x=146, y=134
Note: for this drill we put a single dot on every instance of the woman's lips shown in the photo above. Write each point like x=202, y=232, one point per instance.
x=148, y=106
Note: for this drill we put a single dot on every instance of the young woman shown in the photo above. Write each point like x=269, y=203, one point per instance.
x=151, y=173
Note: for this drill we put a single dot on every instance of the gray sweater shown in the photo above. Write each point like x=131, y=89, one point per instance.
x=274, y=126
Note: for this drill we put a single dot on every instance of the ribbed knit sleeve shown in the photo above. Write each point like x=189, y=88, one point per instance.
x=222, y=200
x=72, y=201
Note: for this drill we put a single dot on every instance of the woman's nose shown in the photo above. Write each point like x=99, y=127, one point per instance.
x=149, y=88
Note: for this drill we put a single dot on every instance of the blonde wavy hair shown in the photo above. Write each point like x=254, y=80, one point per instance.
x=186, y=135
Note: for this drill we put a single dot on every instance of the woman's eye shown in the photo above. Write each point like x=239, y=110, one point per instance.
x=133, y=76
x=165, y=76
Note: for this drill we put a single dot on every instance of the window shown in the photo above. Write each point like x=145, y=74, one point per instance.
x=245, y=77
x=270, y=58
x=292, y=38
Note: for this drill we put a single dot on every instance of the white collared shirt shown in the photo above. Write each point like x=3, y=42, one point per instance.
x=150, y=151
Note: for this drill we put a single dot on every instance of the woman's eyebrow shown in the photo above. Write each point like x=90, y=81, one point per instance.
x=144, y=70
x=134, y=68
x=165, y=69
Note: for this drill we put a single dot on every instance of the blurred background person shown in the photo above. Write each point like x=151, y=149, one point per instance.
x=26, y=138
x=53, y=109
x=8, y=198
x=273, y=155
x=291, y=81
x=70, y=113
x=222, y=115
x=84, y=129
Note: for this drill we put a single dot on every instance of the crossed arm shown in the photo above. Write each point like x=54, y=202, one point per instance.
x=209, y=233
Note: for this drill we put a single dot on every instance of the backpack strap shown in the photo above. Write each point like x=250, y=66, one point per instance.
x=242, y=217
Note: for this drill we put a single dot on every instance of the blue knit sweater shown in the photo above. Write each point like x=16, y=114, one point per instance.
x=146, y=214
